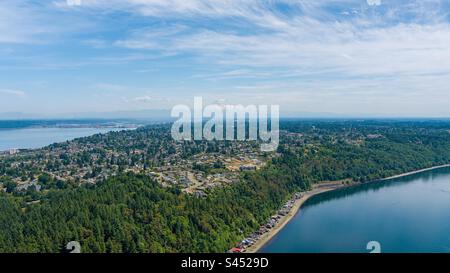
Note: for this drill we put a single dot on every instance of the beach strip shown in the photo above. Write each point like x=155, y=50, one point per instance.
x=266, y=237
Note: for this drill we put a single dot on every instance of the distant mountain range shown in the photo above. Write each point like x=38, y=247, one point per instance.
x=149, y=115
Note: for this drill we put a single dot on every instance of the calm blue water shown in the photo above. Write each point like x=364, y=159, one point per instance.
x=409, y=214
x=39, y=137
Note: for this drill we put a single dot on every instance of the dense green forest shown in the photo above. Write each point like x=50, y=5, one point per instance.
x=133, y=213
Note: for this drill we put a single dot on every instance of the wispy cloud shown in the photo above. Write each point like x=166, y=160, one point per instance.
x=16, y=23
x=150, y=102
x=141, y=99
x=355, y=48
x=374, y=2
x=11, y=92
x=303, y=53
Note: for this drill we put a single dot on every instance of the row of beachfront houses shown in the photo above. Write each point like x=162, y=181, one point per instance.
x=269, y=225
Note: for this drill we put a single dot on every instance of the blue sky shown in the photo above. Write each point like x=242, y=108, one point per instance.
x=340, y=56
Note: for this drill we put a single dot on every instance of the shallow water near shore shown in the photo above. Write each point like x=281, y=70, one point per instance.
x=407, y=214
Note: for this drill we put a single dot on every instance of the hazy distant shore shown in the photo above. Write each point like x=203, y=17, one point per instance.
x=42, y=136
x=318, y=189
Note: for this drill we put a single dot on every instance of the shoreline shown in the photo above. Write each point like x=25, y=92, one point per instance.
x=265, y=238
x=318, y=189
x=414, y=172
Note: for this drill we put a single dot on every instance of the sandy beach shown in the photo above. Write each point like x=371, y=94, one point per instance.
x=317, y=189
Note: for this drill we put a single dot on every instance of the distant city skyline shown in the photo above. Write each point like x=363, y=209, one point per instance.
x=343, y=57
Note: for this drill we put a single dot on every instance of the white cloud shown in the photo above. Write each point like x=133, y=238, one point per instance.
x=374, y=2
x=13, y=20
x=74, y=2
x=357, y=54
x=11, y=92
x=342, y=50
x=141, y=99
x=39, y=22
x=147, y=99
